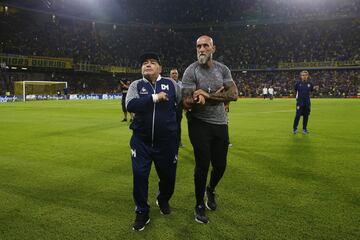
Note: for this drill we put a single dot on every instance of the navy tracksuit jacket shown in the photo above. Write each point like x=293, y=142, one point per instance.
x=303, y=89
x=154, y=138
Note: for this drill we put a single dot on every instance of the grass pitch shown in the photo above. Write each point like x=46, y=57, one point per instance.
x=65, y=173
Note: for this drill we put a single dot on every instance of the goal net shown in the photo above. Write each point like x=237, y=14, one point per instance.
x=41, y=88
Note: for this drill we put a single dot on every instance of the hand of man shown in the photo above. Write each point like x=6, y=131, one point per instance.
x=200, y=100
x=162, y=96
x=200, y=92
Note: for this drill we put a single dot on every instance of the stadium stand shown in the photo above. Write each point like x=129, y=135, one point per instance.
x=332, y=83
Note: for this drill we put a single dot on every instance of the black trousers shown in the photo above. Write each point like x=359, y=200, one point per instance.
x=301, y=111
x=123, y=100
x=210, y=143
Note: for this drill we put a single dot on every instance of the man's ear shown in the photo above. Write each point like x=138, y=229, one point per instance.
x=214, y=48
x=160, y=69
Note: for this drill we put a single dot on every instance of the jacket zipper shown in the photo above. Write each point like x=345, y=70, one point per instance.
x=153, y=120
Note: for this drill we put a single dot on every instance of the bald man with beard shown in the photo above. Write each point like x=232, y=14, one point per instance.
x=207, y=85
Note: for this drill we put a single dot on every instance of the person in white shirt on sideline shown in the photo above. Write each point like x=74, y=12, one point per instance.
x=271, y=93
x=265, y=92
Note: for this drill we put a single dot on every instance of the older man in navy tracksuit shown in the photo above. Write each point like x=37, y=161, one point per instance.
x=153, y=100
x=303, y=89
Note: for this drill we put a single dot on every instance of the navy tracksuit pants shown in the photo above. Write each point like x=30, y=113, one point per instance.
x=164, y=155
x=302, y=111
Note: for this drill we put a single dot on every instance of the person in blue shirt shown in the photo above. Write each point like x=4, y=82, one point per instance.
x=303, y=105
x=174, y=74
x=124, y=89
x=153, y=100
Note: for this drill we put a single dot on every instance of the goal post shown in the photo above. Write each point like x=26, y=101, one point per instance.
x=23, y=88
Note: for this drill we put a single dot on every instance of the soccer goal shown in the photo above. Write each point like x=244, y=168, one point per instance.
x=43, y=88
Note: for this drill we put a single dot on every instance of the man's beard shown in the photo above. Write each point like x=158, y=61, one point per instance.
x=203, y=59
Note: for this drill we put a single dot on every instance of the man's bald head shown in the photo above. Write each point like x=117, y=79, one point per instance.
x=206, y=39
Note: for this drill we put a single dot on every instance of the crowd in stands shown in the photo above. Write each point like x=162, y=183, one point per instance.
x=188, y=12
x=331, y=83
x=251, y=46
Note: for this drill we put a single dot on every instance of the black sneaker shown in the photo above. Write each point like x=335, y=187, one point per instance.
x=164, y=207
x=140, y=221
x=124, y=120
x=200, y=216
x=210, y=200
